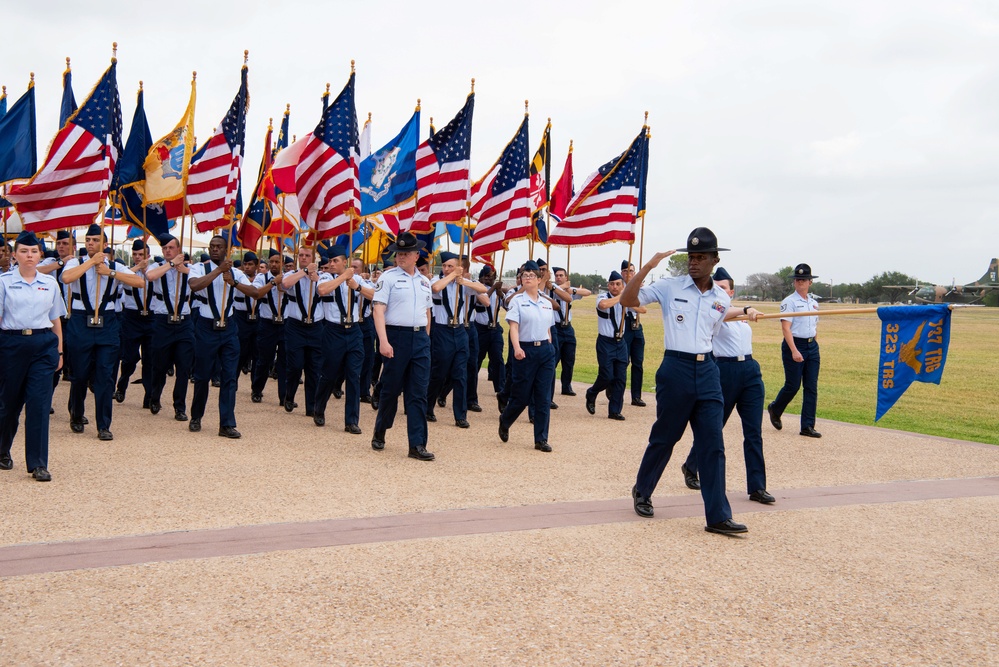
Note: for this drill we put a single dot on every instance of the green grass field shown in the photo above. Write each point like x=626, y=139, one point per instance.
x=965, y=405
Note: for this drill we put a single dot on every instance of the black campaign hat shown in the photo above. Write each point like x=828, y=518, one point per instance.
x=803, y=272
x=701, y=239
x=406, y=242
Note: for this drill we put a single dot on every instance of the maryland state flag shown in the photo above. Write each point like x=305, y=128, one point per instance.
x=914, y=342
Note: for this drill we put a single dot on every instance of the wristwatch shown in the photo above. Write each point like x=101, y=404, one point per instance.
x=113, y=273
x=745, y=310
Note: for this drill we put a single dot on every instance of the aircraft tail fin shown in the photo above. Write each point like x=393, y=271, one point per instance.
x=991, y=276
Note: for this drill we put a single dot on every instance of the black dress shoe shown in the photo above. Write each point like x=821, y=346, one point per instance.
x=690, y=477
x=374, y=402
x=353, y=429
x=145, y=404
x=726, y=527
x=810, y=432
x=41, y=474
x=51, y=411
x=170, y=371
x=338, y=394
x=256, y=398
x=216, y=383
x=289, y=406
x=180, y=416
x=591, y=407
x=775, y=420
x=643, y=506
x=420, y=453
x=542, y=446
x=474, y=407
x=569, y=392
x=442, y=402
x=104, y=434
x=84, y=420
x=553, y=406
x=365, y=399
x=378, y=441
x=118, y=396
x=761, y=496
x=638, y=403
x=431, y=417
x=76, y=426
x=319, y=420
x=229, y=432
x=504, y=432
x=616, y=416
x=6, y=463
x=502, y=403
x=462, y=423
x=194, y=426
x=310, y=413
x=139, y=381
x=154, y=406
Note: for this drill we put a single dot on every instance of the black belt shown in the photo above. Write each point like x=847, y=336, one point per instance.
x=396, y=327
x=23, y=332
x=616, y=337
x=535, y=343
x=803, y=340
x=564, y=324
x=741, y=357
x=706, y=356
x=341, y=325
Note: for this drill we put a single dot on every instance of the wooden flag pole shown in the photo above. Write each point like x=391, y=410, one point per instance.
x=631, y=247
x=844, y=311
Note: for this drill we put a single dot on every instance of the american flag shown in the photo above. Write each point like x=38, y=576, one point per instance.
x=605, y=208
x=501, y=201
x=285, y=215
x=326, y=171
x=70, y=188
x=213, y=179
x=442, y=168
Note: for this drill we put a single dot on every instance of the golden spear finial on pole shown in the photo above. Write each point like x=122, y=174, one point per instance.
x=418, y=103
x=114, y=53
x=646, y=118
x=570, y=145
x=140, y=85
x=67, y=63
x=246, y=57
x=31, y=84
x=525, y=108
x=351, y=65
x=473, y=84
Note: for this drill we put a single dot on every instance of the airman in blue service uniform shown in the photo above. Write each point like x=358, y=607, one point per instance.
x=65, y=249
x=612, y=357
x=303, y=330
x=688, y=389
x=800, y=354
x=530, y=316
x=31, y=343
x=634, y=340
x=565, y=353
x=173, y=328
x=343, y=341
x=244, y=311
x=93, y=332
x=368, y=337
x=742, y=388
x=485, y=318
x=215, y=284
x=136, y=329
x=270, y=332
x=402, y=304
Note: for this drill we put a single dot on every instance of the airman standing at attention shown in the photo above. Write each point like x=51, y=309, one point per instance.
x=402, y=304
x=800, y=354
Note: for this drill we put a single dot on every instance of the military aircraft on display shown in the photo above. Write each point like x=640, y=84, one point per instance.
x=967, y=294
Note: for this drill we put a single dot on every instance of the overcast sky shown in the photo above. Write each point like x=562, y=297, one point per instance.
x=854, y=136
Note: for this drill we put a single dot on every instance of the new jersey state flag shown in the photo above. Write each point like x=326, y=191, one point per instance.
x=914, y=342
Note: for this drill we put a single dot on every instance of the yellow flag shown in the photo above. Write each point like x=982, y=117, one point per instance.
x=168, y=160
x=371, y=251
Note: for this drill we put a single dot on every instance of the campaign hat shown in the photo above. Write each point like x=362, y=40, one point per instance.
x=701, y=239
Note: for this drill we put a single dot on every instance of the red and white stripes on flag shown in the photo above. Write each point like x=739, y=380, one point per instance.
x=327, y=188
x=443, y=163
x=212, y=182
x=501, y=200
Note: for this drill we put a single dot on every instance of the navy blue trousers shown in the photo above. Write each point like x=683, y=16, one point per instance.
x=634, y=342
x=407, y=372
x=800, y=374
x=688, y=392
x=742, y=388
x=491, y=345
x=612, y=369
x=29, y=363
x=173, y=345
x=450, y=361
x=270, y=353
x=247, y=338
x=136, y=339
x=343, y=354
x=370, y=346
x=532, y=381
x=471, y=367
x=566, y=354
x=303, y=352
x=215, y=349
x=95, y=355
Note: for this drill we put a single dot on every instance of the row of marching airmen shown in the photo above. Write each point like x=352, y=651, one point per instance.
x=401, y=331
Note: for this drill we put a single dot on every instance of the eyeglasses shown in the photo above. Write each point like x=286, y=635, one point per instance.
x=528, y=275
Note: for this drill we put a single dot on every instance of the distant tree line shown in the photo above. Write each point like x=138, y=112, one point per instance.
x=776, y=286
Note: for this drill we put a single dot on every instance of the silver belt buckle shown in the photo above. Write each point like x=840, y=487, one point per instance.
x=219, y=324
x=741, y=357
x=252, y=318
x=278, y=319
x=537, y=343
x=27, y=332
x=95, y=322
x=144, y=313
x=701, y=357
x=307, y=320
x=175, y=319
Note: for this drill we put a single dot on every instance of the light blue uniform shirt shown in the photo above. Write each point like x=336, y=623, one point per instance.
x=609, y=326
x=29, y=305
x=270, y=304
x=157, y=303
x=407, y=298
x=534, y=318
x=295, y=310
x=110, y=287
x=691, y=318
x=134, y=298
x=200, y=271
x=247, y=303
x=447, y=294
x=482, y=316
x=331, y=310
x=801, y=327
x=734, y=339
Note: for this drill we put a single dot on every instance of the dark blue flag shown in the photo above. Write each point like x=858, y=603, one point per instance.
x=129, y=172
x=18, y=157
x=914, y=342
x=68, y=106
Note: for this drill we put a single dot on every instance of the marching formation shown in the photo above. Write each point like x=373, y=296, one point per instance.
x=371, y=337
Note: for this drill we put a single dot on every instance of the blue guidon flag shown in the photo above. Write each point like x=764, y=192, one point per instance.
x=914, y=342
x=388, y=176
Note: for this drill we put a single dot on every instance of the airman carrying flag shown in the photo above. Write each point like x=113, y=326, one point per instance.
x=914, y=342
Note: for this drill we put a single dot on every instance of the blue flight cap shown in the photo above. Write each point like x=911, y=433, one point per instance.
x=94, y=230
x=531, y=266
x=164, y=239
x=273, y=253
x=447, y=256
x=614, y=275
x=422, y=261
x=27, y=238
x=63, y=234
x=51, y=254
x=625, y=264
x=159, y=259
x=556, y=269
x=288, y=260
x=540, y=262
x=722, y=274
x=485, y=271
x=336, y=251
x=250, y=256
x=137, y=244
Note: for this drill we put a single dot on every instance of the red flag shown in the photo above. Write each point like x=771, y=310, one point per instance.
x=563, y=191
